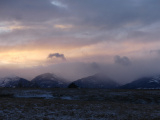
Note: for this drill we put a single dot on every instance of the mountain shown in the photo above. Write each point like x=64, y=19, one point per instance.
x=14, y=82
x=96, y=81
x=48, y=80
x=144, y=83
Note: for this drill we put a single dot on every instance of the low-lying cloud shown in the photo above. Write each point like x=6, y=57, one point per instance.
x=155, y=51
x=122, y=60
x=57, y=55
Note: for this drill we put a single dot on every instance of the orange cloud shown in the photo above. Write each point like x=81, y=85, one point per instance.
x=61, y=26
x=33, y=54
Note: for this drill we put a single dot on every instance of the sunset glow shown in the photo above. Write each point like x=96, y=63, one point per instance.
x=77, y=34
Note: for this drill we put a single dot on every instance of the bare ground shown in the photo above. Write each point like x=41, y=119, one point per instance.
x=83, y=104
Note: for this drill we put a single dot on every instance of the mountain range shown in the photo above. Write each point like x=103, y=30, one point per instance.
x=49, y=80
x=46, y=80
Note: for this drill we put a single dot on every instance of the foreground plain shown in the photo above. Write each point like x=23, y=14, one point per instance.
x=79, y=104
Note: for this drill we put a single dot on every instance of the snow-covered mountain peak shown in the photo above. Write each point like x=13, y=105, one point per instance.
x=155, y=79
x=9, y=78
x=14, y=81
x=49, y=80
x=48, y=76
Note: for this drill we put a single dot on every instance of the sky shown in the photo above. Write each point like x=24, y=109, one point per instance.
x=77, y=38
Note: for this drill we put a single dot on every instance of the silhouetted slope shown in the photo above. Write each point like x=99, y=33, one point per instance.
x=96, y=81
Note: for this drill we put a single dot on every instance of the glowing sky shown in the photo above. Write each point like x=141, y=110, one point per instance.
x=120, y=37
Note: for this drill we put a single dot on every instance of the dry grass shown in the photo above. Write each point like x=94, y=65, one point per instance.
x=116, y=105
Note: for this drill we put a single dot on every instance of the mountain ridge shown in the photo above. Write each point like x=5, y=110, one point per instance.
x=96, y=81
x=48, y=80
x=14, y=82
x=152, y=82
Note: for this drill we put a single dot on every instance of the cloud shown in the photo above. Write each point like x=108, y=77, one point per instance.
x=122, y=60
x=155, y=51
x=95, y=66
x=103, y=14
x=86, y=31
x=82, y=22
x=57, y=55
x=27, y=11
x=114, y=14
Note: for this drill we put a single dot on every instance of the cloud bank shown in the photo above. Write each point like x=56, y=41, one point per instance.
x=123, y=36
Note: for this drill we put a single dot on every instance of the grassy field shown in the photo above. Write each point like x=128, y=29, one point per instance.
x=79, y=104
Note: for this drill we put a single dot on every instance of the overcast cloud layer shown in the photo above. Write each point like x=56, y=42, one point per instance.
x=119, y=37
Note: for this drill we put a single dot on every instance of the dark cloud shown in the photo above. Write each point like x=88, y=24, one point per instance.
x=104, y=14
x=57, y=55
x=93, y=21
x=29, y=11
x=122, y=60
x=109, y=14
x=155, y=51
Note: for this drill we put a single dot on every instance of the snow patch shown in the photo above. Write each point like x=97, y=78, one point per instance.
x=155, y=79
x=6, y=80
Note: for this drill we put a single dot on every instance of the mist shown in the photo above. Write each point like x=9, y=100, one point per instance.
x=75, y=70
